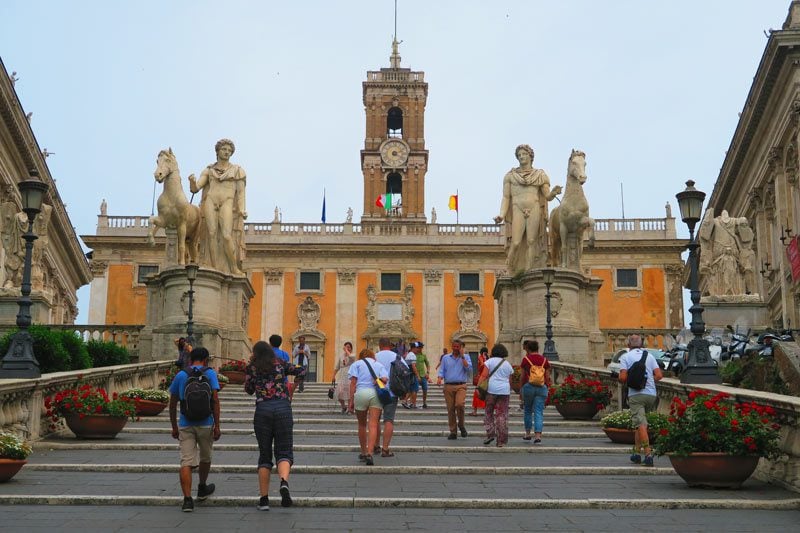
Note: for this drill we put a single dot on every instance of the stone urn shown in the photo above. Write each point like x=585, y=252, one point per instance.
x=235, y=377
x=95, y=426
x=714, y=469
x=149, y=407
x=9, y=468
x=577, y=410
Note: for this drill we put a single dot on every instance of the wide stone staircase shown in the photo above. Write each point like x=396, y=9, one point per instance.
x=576, y=479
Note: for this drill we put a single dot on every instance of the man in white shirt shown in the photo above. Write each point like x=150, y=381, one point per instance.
x=300, y=356
x=386, y=357
x=640, y=401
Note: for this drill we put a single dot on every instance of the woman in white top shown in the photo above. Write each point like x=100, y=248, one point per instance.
x=495, y=418
x=364, y=400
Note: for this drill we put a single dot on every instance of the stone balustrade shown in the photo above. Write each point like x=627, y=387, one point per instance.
x=22, y=409
x=126, y=336
x=617, y=339
x=784, y=471
x=605, y=229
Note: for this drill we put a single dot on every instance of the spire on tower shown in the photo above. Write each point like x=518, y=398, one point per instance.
x=394, y=60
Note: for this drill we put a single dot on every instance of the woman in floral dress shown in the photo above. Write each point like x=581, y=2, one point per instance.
x=340, y=375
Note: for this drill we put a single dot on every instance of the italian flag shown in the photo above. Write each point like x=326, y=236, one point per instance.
x=384, y=201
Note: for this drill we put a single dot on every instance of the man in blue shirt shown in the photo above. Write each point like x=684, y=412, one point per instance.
x=195, y=436
x=275, y=341
x=455, y=371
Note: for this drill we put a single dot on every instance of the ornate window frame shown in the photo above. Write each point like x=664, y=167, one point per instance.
x=460, y=291
x=300, y=290
x=637, y=287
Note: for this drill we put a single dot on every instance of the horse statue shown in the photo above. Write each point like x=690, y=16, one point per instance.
x=174, y=210
x=569, y=220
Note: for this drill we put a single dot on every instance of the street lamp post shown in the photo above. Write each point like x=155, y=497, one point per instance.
x=700, y=368
x=548, y=274
x=191, y=275
x=20, y=361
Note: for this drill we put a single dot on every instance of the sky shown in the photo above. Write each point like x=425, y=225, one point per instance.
x=649, y=90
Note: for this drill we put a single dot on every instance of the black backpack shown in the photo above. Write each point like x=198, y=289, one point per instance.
x=198, y=398
x=399, y=377
x=637, y=373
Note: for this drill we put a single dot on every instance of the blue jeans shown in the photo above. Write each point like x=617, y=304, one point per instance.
x=534, y=399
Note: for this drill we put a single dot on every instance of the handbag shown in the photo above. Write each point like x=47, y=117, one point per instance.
x=331, y=390
x=483, y=385
x=384, y=396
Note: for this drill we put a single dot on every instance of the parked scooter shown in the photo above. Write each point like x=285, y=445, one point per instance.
x=738, y=345
x=764, y=344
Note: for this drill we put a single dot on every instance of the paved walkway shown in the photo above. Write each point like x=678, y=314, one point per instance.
x=576, y=480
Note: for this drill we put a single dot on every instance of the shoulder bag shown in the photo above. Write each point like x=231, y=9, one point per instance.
x=384, y=396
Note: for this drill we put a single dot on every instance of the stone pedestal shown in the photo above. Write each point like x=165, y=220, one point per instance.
x=521, y=303
x=41, y=306
x=220, y=312
x=747, y=312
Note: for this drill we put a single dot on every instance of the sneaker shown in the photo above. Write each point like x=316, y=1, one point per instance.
x=636, y=458
x=488, y=440
x=405, y=405
x=204, y=491
x=452, y=436
x=188, y=504
x=263, y=503
x=537, y=441
x=424, y=405
x=286, y=498
x=648, y=460
x=463, y=432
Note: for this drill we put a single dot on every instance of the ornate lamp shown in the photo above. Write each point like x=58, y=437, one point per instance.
x=700, y=367
x=548, y=275
x=191, y=275
x=20, y=361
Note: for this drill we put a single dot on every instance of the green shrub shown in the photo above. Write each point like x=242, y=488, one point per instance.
x=78, y=353
x=106, y=353
x=47, y=347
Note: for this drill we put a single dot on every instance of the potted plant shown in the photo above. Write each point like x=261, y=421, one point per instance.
x=149, y=402
x=223, y=380
x=89, y=412
x=620, y=429
x=13, y=454
x=579, y=399
x=713, y=441
x=234, y=371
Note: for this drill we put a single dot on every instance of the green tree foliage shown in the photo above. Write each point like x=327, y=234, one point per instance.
x=105, y=353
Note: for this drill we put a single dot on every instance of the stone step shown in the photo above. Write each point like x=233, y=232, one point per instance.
x=354, y=432
x=453, y=491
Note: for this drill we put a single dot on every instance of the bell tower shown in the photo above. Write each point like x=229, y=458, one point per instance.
x=394, y=159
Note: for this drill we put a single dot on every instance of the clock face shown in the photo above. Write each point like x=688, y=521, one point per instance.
x=394, y=153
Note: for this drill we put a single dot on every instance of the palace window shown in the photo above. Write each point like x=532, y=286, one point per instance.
x=310, y=281
x=469, y=282
x=390, y=281
x=627, y=278
x=394, y=123
x=145, y=271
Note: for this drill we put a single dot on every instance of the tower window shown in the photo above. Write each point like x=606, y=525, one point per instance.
x=394, y=186
x=394, y=123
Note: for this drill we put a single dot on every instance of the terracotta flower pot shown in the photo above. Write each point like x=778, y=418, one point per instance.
x=95, y=426
x=9, y=468
x=149, y=407
x=577, y=410
x=625, y=436
x=235, y=377
x=714, y=469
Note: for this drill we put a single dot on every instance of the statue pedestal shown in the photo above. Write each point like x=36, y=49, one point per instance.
x=522, y=310
x=41, y=306
x=737, y=311
x=220, y=312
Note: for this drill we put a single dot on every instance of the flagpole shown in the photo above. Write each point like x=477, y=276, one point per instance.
x=456, y=207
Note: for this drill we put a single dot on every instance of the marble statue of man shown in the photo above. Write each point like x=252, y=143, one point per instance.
x=103, y=207
x=349, y=219
x=526, y=192
x=433, y=215
x=277, y=217
x=223, y=209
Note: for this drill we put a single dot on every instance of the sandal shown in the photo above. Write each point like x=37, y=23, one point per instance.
x=368, y=460
x=361, y=457
x=376, y=449
x=386, y=453
x=527, y=437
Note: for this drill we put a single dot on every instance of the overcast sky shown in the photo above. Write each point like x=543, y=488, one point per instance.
x=649, y=90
